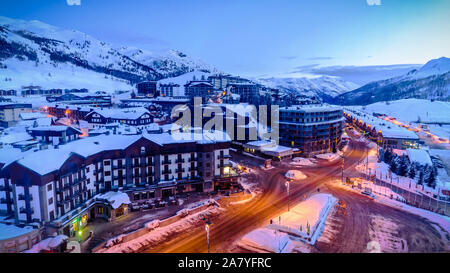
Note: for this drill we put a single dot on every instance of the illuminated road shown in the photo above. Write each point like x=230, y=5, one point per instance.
x=239, y=220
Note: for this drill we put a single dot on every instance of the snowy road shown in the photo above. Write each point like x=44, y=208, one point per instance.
x=365, y=220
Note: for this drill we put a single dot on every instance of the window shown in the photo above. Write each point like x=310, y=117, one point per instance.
x=49, y=187
x=107, y=173
x=100, y=210
x=50, y=200
x=52, y=215
x=107, y=163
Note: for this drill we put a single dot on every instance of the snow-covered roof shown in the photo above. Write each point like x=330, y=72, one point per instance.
x=15, y=137
x=31, y=115
x=56, y=128
x=46, y=161
x=11, y=231
x=128, y=113
x=420, y=156
x=115, y=199
x=312, y=108
x=388, y=130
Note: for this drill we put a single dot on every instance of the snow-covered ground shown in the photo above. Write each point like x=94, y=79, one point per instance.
x=307, y=219
x=160, y=234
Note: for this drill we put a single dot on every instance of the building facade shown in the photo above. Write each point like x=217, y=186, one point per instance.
x=312, y=129
x=170, y=90
x=147, y=88
x=202, y=89
x=220, y=82
x=10, y=112
x=56, y=186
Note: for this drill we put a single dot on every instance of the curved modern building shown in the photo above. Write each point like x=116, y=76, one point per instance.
x=312, y=129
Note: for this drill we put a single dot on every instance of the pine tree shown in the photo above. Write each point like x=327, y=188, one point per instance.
x=412, y=172
x=394, y=166
x=403, y=168
x=431, y=180
x=420, y=180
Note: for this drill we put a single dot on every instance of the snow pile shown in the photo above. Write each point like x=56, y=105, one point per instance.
x=300, y=161
x=328, y=156
x=307, y=219
x=264, y=240
x=295, y=174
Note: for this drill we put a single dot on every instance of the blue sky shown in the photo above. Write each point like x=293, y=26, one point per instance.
x=260, y=37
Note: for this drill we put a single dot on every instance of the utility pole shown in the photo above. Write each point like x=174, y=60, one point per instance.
x=287, y=188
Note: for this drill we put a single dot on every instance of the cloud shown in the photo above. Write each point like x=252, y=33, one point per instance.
x=74, y=2
x=374, y=2
x=319, y=58
x=288, y=57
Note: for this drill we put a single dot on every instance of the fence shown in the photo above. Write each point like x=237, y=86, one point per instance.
x=414, y=198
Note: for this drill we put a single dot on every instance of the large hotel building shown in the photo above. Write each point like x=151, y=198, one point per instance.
x=312, y=129
x=56, y=186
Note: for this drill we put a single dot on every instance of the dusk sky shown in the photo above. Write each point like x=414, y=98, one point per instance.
x=259, y=37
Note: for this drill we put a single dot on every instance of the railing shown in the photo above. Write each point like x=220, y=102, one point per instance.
x=26, y=210
x=5, y=188
x=25, y=197
x=166, y=171
x=180, y=160
x=193, y=159
x=182, y=170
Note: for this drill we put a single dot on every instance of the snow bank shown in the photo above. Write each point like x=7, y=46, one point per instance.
x=300, y=161
x=295, y=174
x=307, y=219
x=328, y=156
x=264, y=240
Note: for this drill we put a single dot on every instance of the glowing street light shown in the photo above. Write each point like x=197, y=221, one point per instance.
x=287, y=188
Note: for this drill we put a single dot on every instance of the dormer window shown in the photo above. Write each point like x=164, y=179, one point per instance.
x=142, y=150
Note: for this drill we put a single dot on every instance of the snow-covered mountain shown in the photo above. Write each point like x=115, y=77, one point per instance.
x=35, y=53
x=431, y=81
x=323, y=87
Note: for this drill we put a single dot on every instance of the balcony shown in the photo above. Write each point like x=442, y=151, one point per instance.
x=149, y=173
x=26, y=210
x=5, y=201
x=191, y=159
x=164, y=162
x=179, y=160
x=166, y=172
x=5, y=188
x=25, y=197
x=191, y=169
x=116, y=166
x=182, y=170
x=223, y=156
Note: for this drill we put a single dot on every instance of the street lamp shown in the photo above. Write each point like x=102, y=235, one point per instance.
x=287, y=188
x=207, y=228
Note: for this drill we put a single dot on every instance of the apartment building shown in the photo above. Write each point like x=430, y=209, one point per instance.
x=53, y=187
x=312, y=129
